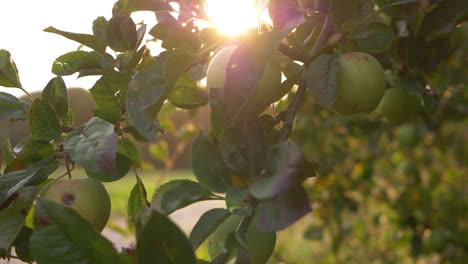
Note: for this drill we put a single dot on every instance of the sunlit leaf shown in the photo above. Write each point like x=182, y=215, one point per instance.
x=8, y=71
x=88, y=40
x=56, y=94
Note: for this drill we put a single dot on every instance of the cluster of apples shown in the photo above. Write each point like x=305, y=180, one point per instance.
x=360, y=86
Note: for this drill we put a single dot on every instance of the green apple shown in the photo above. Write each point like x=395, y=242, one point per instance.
x=86, y=196
x=260, y=244
x=268, y=89
x=400, y=104
x=408, y=135
x=360, y=83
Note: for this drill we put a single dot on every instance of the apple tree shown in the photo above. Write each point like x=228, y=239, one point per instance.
x=337, y=73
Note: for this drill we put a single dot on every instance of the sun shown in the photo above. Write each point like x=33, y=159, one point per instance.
x=232, y=17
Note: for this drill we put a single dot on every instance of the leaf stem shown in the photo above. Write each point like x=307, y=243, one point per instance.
x=402, y=2
x=28, y=94
x=244, y=255
x=293, y=108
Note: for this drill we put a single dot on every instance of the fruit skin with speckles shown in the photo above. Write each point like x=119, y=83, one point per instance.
x=87, y=196
x=360, y=83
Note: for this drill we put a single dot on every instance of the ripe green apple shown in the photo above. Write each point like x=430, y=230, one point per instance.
x=268, y=88
x=399, y=104
x=360, y=83
x=260, y=244
x=86, y=196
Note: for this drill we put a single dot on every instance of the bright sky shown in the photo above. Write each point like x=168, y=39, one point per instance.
x=33, y=50
x=21, y=25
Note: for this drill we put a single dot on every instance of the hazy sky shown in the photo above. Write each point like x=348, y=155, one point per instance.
x=21, y=25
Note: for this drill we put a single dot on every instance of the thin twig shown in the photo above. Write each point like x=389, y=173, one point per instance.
x=293, y=108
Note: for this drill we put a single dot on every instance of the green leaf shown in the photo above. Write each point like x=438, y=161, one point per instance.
x=137, y=199
x=282, y=211
x=43, y=121
x=69, y=238
x=178, y=194
x=12, y=218
x=22, y=244
x=91, y=41
x=321, y=79
x=11, y=108
x=207, y=224
x=208, y=166
x=347, y=14
x=123, y=166
x=236, y=197
x=8, y=71
x=56, y=94
x=187, y=95
x=127, y=148
x=7, y=151
x=95, y=147
x=444, y=18
x=286, y=169
x=234, y=149
x=121, y=33
x=99, y=29
x=174, y=36
x=83, y=62
x=285, y=14
x=33, y=151
x=161, y=241
x=150, y=87
x=374, y=37
x=12, y=182
x=109, y=95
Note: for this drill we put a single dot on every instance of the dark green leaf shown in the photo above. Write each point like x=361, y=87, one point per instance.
x=22, y=245
x=56, y=94
x=7, y=151
x=123, y=166
x=174, y=36
x=285, y=14
x=236, y=197
x=95, y=147
x=137, y=199
x=178, y=194
x=207, y=223
x=321, y=79
x=12, y=218
x=127, y=148
x=373, y=37
x=121, y=33
x=91, y=41
x=187, y=95
x=208, y=166
x=83, y=62
x=150, y=87
x=234, y=149
x=109, y=95
x=346, y=14
x=444, y=17
x=11, y=108
x=11, y=182
x=286, y=170
x=44, y=122
x=69, y=238
x=135, y=134
x=161, y=241
x=33, y=151
x=99, y=29
x=282, y=211
x=8, y=71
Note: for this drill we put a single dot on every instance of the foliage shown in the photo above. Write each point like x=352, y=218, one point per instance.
x=370, y=193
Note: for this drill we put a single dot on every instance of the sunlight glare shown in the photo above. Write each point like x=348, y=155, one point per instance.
x=232, y=17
